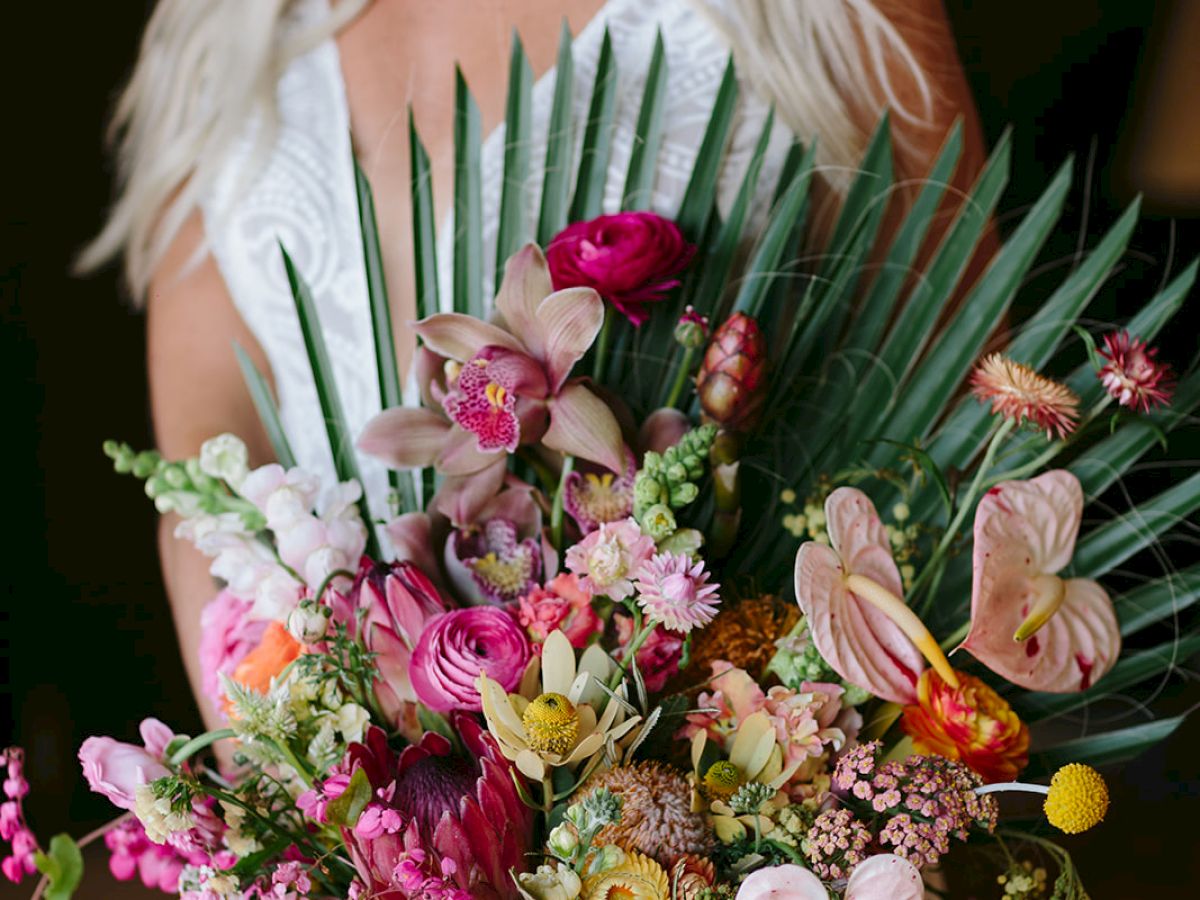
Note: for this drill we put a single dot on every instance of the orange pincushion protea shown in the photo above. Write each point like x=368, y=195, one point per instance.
x=744, y=634
x=972, y=724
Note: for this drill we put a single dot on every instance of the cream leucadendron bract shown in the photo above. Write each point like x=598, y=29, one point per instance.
x=1037, y=629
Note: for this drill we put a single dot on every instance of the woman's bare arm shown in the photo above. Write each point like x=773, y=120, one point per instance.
x=196, y=392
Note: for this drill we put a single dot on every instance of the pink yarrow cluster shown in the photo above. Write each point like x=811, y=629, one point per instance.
x=13, y=829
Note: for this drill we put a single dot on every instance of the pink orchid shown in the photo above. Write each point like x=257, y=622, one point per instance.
x=511, y=387
x=851, y=593
x=1038, y=630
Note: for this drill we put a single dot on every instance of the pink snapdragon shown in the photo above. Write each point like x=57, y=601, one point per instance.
x=610, y=558
x=133, y=854
x=13, y=829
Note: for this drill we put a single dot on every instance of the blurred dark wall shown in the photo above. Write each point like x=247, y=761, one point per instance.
x=86, y=644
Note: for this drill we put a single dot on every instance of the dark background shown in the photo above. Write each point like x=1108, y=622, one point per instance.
x=86, y=644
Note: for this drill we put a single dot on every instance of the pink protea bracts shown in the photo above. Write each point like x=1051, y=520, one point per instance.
x=674, y=590
x=1132, y=374
x=1020, y=394
x=464, y=825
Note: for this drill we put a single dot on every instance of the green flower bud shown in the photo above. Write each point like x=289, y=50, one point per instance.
x=683, y=494
x=563, y=841
x=145, y=464
x=658, y=522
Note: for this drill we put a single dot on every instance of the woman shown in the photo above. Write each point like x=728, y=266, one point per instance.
x=233, y=134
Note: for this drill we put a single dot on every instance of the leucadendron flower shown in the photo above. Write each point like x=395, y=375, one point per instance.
x=552, y=720
x=510, y=383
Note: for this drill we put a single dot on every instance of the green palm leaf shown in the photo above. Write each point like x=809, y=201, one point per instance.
x=264, y=405
x=511, y=233
x=468, y=202
x=597, y=138
x=647, y=135
x=556, y=180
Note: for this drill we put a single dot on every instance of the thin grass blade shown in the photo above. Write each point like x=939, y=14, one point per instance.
x=264, y=403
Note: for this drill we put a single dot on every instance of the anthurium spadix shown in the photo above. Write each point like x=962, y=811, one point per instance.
x=851, y=593
x=509, y=384
x=1038, y=630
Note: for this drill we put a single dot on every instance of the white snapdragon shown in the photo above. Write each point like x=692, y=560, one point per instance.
x=225, y=457
x=352, y=722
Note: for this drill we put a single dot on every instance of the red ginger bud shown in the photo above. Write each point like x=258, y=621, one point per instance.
x=732, y=383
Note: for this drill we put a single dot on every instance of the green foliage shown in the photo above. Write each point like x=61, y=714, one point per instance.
x=668, y=480
x=346, y=808
x=62, y=865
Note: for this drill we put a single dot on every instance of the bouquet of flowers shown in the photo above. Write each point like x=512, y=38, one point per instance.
x=676, y=552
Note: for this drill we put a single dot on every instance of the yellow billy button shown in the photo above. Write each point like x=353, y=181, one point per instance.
x=1076, y=798
x=551, y=723
x=722, y=780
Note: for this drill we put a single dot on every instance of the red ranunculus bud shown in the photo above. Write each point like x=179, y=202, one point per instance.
x=732, y=383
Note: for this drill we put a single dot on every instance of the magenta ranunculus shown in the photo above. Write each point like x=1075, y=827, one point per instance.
x=455, y=647
x=116, y=769
x=632, y=259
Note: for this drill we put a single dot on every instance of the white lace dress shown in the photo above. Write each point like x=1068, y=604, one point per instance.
x=304, y=196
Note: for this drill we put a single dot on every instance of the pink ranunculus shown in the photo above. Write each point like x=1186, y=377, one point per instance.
x=116, y=769
x=455, y=647
x=227, y=634
x=631, y=259
x=562, y=604
x=787, y=882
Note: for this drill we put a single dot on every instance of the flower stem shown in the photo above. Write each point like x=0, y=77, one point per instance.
x=556, y=512
x=196, y=744
x=547, y=796
x=681, y=377
x=630, y=654
x=600, y=361
x=968, y=503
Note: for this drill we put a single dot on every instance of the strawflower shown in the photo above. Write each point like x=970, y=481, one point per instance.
x=971, y=723
x=632, y=877
x=1132, y=374
x=1020, y=394
x=674, y=590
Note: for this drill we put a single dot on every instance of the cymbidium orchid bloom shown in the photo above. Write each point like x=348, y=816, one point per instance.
x=511, y=384
x=552, y=720
x=1038, y=630
x=851, y=593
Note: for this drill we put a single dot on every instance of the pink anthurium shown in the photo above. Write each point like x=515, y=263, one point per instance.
x=511, y=383
x=1036, y=629
x=850, y=591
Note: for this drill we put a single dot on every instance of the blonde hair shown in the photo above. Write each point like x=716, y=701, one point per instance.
x=207, y=68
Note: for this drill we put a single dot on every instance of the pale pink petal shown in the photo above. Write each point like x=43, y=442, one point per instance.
x=786, y=882
x=516, y=504
x=581, y=425
x=461, y=498
x=460, y=337
x=662, y=429
x=1024, y=532
x=411, y=537
x=885, y=877
x=526, y=283
x=405, y=437
x=858, y=536
x=1069, y=653
x=569, y=320
x=460, y=455
x=861, y=645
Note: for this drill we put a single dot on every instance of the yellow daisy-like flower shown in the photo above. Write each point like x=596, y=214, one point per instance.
x=551, y=721
x=1078, y=798
x=635, y=877
x=755, y=755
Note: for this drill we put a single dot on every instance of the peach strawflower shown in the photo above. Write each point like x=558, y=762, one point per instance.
x=1020, y=394
x=972, y=724
x=1131, y=373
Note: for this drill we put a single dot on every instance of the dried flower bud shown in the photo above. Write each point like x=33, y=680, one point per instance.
x=732, y=382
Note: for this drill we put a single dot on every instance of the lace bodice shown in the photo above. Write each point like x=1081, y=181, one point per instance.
x=304, y=196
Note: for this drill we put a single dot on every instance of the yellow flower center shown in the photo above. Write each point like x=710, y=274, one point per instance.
x=551, y=724
x=506, y=576
x=722, y=780
x=1078, y=798
x=496, y=395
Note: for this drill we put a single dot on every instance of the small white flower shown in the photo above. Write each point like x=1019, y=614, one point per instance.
x=308, y=622
x=156, y=815
x=352, y=722
x=550, y=883
x=225, y=457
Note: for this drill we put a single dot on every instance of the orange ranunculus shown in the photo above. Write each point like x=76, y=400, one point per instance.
x=972, y=724
x=275, y=651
